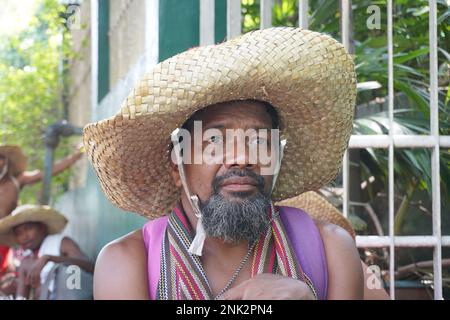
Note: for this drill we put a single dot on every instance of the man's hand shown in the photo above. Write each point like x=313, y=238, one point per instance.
x=8, y=284
x=270, y=287
x=34, y=274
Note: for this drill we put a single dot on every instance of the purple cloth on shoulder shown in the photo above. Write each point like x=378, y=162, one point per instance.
x=305, y=238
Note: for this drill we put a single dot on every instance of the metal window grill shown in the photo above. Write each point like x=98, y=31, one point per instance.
x=433, y=141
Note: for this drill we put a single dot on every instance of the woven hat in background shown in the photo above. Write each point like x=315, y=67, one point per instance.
x=320, y=209
x=307, y=76
x=54, y=221
x=17, y=161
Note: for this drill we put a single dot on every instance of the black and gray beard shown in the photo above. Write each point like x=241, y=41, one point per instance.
x=244, y=217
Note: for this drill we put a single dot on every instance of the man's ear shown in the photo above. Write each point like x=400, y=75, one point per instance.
x=175, y=174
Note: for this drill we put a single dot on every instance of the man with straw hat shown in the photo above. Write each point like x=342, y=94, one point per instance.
x=37, y=230
x=204, y=145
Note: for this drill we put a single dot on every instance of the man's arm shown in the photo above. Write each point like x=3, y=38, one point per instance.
x=345, y=276
x=70, y=255
x=374, y=292
x=30, y=177
x=121, y=270
x=23, y=285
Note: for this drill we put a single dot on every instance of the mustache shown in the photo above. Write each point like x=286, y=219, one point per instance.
x=259, y=180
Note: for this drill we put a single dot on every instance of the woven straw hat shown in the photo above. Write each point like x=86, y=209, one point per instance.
x=54, y=221
x=307, y=76
x=17, y=161
x=319, y=209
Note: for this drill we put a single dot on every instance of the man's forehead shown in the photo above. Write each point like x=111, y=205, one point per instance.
x=245, y=112
x=28, y=224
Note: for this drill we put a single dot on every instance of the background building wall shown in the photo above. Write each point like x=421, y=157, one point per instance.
x=93, y=220
x=79, y=110
x=126, y=36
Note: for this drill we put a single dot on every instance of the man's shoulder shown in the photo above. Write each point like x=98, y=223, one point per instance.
x=328, y=231
x=345, y=276
x=120, y=271
x=333, y=235
x=127, y=251
x=130, y=245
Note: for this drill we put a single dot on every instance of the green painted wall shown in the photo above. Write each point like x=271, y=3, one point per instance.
x=178, y=26
x=103, y=49
x=220, y=22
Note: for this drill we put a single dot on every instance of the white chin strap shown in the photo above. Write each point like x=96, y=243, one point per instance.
x=200, y=235
x=196, y=246
x=278, y=165
x=4, y=170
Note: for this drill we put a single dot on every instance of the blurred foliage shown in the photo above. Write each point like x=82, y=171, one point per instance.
x=30, y=89
x=412, y=167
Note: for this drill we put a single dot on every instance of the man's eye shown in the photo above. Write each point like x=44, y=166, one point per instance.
x=258, y=141
x=215, y=139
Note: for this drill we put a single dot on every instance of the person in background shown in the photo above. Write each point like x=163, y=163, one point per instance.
x=37, y=230
x=13, y=177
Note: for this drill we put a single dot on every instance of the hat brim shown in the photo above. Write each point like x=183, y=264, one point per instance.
x=54, y=221
x=308, y=77
x=17, y=161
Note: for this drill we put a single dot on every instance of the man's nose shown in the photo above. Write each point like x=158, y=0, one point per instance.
x=21, y=239
x=237, y=156
x=240, y=165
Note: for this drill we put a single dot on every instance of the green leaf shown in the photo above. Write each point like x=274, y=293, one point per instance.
x=405, y=57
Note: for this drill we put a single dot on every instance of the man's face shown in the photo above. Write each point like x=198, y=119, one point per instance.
x=30, y=235
x=234, y=195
